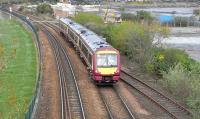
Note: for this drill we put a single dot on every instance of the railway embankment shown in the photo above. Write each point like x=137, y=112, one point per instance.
x=18, y=72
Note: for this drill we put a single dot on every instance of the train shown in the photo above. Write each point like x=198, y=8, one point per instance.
x=101, y=58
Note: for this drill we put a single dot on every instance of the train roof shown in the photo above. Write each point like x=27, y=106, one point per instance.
x=90, y=38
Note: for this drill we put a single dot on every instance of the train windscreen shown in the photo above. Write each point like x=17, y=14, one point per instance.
x=106, y=60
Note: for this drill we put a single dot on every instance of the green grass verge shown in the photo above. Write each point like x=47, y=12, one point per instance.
x=17, y=69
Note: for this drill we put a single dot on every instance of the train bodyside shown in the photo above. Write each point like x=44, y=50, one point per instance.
x=102, y=71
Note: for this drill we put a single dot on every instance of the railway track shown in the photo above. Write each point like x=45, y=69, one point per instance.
x=119, y=104
x=115, y=104
x=71, y=102
x=172, y=108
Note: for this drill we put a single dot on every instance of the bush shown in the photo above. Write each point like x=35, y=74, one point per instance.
x=87, y=18
x=128, y=17
x=185, y=84
x=196, y=12
x=144, y=16
x=180, y=21
x=164, y=59
x=141, y=16
x=91, y=21
x=45, y=9
x=176, y=81
x=21, y=8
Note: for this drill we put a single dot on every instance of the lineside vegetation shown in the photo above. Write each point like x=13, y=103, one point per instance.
x=134, y=37
x=17, y=69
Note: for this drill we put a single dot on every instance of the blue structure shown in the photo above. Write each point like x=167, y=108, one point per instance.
x=165, y=18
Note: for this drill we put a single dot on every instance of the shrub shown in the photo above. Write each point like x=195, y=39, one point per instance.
x=141, y=16
x=180, y=21
x=126, y=33
x=45, y=9
x=177, y=81
x=145, y=16
x=164, y=59
x=128, y=17
x=196, y=11
x=21, y=8
x=185, y=84
x=85, y=18
x=122, y=9
x=194, y=99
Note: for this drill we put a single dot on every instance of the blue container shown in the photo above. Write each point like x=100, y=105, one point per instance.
x=165, y=18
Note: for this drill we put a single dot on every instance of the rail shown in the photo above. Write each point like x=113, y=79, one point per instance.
x=71, y=102
x=155, y=96
x=111, y=93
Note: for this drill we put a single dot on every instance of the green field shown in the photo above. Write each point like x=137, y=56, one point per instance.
x=18, y=69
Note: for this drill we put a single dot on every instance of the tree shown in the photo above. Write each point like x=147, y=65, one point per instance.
x=144, y=16
x=45, y=9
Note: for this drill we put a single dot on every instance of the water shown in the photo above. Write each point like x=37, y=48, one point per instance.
x=171, y=10
x=190, y=44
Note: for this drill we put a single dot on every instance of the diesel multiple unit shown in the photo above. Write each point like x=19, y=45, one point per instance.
x=102, y=59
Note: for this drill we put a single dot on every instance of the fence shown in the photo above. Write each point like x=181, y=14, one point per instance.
x=35, y=98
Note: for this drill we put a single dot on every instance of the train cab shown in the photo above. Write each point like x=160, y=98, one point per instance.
x=106, y=66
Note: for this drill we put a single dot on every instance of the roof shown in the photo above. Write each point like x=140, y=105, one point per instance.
x=93, y=41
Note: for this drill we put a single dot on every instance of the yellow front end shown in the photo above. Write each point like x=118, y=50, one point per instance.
x=107, y=70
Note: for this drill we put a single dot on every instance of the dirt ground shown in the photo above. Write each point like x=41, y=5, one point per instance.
x=49, y=102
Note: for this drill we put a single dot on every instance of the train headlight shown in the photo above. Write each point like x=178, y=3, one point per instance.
x=96, y=71
x=117, y=71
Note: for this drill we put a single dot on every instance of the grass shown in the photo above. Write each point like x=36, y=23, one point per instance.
x=17, y=69
x=135, y=3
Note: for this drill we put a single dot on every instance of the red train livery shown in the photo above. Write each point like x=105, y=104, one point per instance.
x=102, y=59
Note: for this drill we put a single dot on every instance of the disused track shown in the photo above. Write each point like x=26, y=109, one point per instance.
x=171, y=107
x=71, y=102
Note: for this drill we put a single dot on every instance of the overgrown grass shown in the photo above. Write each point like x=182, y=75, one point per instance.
x=18, y=71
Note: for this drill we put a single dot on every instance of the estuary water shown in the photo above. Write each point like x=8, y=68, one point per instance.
x=185, y=38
